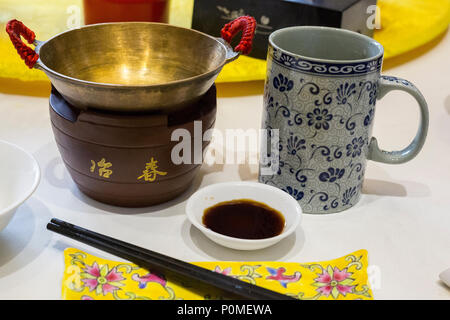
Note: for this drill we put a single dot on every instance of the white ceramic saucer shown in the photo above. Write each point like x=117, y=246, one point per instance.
x=271, y=196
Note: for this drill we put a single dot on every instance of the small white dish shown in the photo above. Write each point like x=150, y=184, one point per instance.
x=19, y=178
x=271, y=196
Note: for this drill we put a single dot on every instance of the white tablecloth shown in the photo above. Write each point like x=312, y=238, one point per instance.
x=403, y=218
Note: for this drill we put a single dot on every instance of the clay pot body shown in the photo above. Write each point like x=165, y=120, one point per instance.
x=125, y=159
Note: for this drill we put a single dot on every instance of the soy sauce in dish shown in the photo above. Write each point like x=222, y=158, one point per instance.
x=244, y=218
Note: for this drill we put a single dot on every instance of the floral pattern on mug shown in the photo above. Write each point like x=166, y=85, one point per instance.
x=296, y=194
x=295, y=144
x=331, y=106
x=348, y=195
x=319, y=118
x=354, y=149
x=368, y=119
x=324, y=133
x=282, y=83
x=344, y=92
x=331, y=175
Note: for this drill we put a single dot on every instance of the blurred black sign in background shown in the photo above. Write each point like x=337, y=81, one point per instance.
x=211, y=15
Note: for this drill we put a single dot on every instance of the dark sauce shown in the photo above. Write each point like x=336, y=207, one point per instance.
x=244, y=218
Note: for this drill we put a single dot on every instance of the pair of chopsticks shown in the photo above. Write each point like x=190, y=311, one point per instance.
x=156, y=262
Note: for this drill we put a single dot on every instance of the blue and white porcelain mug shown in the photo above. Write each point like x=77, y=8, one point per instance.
x=320, y=92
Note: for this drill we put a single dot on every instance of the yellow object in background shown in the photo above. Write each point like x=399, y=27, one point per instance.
x=45, y=18
x=408, y=24
x=87, y=277
x=405, y=25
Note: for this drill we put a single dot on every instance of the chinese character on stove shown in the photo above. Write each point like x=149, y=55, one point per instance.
x=150, y=173
x=103, y=166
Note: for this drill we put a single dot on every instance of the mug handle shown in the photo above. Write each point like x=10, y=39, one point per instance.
x=386, y=84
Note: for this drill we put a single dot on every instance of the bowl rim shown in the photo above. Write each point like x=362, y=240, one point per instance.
x=286, y=232
x=41, y=44
x=33, y=187
x=336, y=31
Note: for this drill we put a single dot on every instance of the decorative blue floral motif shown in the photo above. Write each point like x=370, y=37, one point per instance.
x=334, y=204
x=322, y=196
x=354, y=149
x=314, y=89
x=331, y=175
x=368, y=119
x=324, y=127
x=295, y=144
x=287, y=60
x=333, y=69
x=272, y=104
x=397, y=80
x=319, y=118
x=372, y=65
x=355, y=167
x=301, y=177
x=372, y=88
x=297, y=120
x=348, y=195
x=326, y=152
x=344, y=92
x=281, y=165
x=296, y=194
x=282, y=83
x=373, y=94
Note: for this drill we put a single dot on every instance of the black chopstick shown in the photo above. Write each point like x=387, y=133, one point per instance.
x=160, y=263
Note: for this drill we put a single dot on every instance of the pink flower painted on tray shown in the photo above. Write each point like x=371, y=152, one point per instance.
x=334, y=282
x=101, y=279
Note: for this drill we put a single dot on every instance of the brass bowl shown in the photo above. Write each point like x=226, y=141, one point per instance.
x=132, y=66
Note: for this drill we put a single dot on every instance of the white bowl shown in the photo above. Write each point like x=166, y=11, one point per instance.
x=271, y=196
x=19, y=177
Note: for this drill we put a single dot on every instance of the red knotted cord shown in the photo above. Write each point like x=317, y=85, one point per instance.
x=15, y=29
x=248, y=26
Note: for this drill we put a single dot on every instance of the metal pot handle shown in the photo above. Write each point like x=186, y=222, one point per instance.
x=15, y=29
x=248, y=26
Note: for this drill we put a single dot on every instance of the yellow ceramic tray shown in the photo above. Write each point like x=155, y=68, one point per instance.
x=87, y=277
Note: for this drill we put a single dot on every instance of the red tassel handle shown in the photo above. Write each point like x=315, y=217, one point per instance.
x=15, y=29
x=248, y=26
